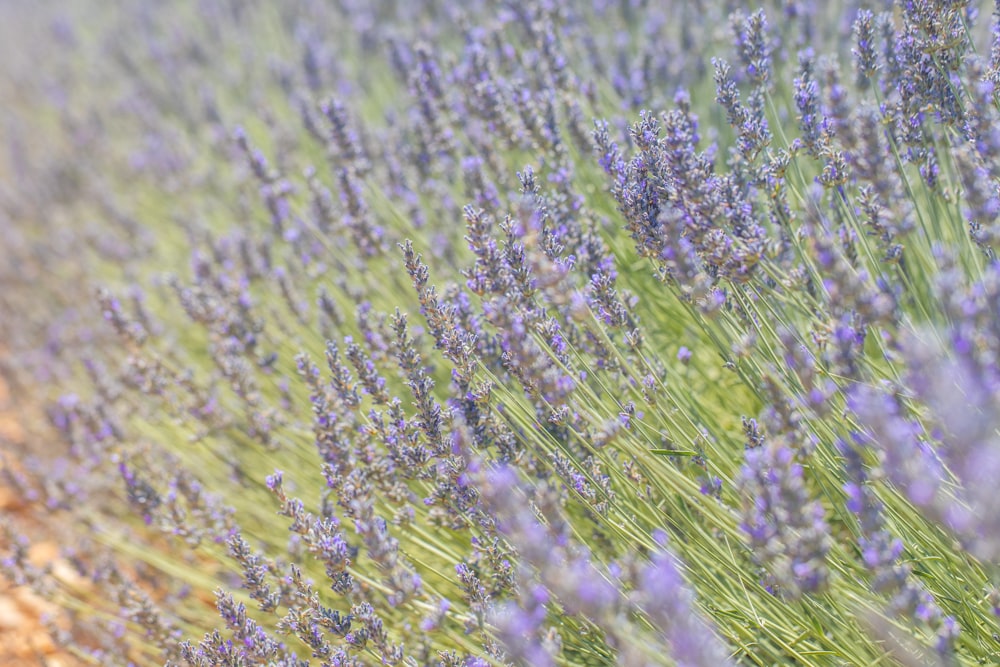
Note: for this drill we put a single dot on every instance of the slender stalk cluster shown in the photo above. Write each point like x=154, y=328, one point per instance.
x=503, y=333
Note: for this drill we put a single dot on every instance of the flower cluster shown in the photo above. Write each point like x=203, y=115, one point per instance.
x=504, y=333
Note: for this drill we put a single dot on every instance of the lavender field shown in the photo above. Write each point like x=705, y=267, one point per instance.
x=503, y=332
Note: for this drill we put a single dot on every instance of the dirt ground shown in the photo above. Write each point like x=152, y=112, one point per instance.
x=24, y=641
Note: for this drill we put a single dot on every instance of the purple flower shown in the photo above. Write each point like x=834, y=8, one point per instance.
x=787, y=529
x=665, y=596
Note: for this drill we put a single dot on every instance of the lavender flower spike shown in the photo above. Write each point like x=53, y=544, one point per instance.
x=669, y=602
x=582, y=587
x=787, y=529
x=951, y=476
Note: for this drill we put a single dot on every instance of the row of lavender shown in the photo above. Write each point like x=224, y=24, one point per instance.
x=492, y=333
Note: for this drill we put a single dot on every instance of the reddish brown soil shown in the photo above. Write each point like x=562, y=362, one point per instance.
x=24, y=641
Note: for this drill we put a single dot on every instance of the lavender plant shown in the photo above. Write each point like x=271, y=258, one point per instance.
x=506, y=333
